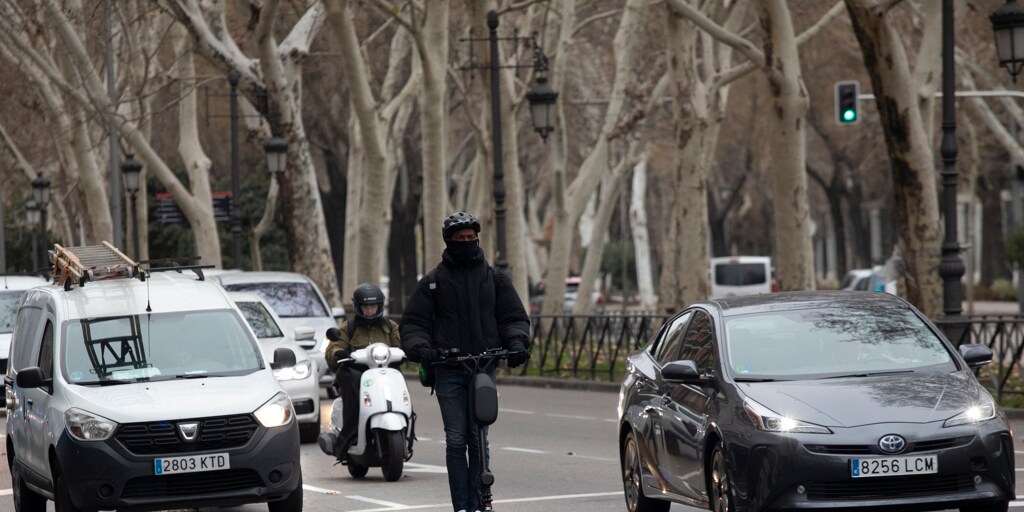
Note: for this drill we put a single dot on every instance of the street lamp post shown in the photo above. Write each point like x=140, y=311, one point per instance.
x=32, y=216
x=131, y=169
x=1008, y=27
x=236, y=220
x=41, y=193
x=542, y=109
x=951, y=268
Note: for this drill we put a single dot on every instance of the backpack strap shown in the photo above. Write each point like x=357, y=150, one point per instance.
x=351, y=330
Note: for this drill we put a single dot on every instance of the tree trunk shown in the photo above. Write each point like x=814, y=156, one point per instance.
x=794, y=255
x=433, y=54
x=641, y=239
x=910, y=153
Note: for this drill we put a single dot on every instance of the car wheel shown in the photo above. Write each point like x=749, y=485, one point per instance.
x=632, y=480
x=308, y=432
x=998, y=506
x=61, y=496
x=25, y=499
x=719, y=486
x=293, y=503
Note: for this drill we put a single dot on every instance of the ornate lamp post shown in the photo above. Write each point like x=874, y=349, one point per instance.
x=951, y=268
x=41, y=193
x=32, y=216
x=131, y=169
x=276, y=149
x=542, y=109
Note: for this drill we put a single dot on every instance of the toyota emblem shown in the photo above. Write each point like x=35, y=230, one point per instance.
x=892, y=443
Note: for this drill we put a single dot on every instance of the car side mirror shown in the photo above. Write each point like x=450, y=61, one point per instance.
x=683, y=371
x=974, y=355
x=31, y=377
x=304, y=333
x=283, y=358
x=337, y=313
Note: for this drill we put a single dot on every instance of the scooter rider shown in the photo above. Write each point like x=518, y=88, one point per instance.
x=463, y=303
x=368, y=326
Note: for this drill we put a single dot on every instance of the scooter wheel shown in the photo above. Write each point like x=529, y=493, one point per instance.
x=356, y=470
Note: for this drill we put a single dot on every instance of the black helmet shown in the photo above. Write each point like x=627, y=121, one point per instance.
x=457, y=221
x=365, y=295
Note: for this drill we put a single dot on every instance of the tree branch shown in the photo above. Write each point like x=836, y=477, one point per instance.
x=748, y=49
x=303, y=33
x=517, y=6
x=579, y=26
x=818, y=26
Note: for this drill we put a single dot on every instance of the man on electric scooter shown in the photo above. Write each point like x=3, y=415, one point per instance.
x=463, y=304
x=368, y=326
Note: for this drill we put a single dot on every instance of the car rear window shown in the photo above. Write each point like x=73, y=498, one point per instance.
x=289, y=300
x=740, y=274
x=263, y=325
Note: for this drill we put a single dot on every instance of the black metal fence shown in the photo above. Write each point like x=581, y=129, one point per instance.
x=1004, y=335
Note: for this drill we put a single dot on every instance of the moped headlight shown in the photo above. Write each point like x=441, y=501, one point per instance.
x=769, y=421
x=276, y=412
x=974, y=414
x=86, y=426
x=298, y=372
x=380, y=354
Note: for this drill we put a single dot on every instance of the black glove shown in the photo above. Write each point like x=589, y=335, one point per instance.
x=518, y=355
x=429, y=356
x=341, y=354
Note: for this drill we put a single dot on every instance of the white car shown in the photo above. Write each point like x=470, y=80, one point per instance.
x=12, y=288
x=132, y=394
x=300, y=381
x=298, y=302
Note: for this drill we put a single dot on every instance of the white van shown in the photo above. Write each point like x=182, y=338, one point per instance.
x=134, y=389
x=740, y=275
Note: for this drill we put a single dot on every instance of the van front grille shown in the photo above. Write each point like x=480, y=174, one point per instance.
x=165, y=437
x=190, y=484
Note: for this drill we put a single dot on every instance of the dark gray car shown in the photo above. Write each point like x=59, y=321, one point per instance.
x=810, y=400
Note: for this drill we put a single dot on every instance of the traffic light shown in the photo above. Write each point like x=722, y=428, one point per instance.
x=847, y=102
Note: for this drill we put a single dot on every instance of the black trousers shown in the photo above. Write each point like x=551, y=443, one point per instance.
x=346, y=382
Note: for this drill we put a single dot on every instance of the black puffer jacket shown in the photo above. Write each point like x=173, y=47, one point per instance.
x=472, y=307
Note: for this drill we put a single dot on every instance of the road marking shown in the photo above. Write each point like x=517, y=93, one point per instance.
x=6, y=492
x=516, y=411
x=412, y=467
x=320, y=490
x=524, y=450
x=498, y=502
x=572, y=417
x=390, y=504
x=591, y=457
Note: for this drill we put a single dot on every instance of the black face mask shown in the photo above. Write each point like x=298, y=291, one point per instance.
x=463, y=251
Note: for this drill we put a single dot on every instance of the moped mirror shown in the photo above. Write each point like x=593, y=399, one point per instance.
x=333, y=334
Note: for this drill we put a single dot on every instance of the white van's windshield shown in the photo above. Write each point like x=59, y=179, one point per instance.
x=158, y=346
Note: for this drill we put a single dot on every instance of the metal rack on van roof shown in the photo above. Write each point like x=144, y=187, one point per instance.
x=79, y=265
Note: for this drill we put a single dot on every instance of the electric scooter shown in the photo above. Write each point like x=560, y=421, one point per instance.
x=483, y=406
x=386, y=419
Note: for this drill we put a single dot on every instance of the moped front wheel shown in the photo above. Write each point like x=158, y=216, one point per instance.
x=394, y=455
x=356, y=470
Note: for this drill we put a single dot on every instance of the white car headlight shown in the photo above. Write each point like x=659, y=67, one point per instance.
x=380, y=354
x=974, y=414
x=769, y=421
x=86, y=426
x=276, y=412
x=300, y=371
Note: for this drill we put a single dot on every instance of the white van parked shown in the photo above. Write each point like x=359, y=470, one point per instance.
x=740, y=275
x=134, y=389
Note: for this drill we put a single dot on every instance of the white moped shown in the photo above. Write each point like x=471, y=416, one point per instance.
x=386, y=419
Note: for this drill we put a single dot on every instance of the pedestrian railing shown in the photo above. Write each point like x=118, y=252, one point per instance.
x=1004, y=335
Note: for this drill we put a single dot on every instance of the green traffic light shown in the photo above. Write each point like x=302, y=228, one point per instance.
x=849, y=115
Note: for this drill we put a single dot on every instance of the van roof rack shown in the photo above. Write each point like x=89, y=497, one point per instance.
x=86, y=263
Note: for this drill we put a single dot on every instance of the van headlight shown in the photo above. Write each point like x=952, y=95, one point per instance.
x=276, y=412
x=380, y=354
x=300, y=371
x=86, y=426
x=974, y=414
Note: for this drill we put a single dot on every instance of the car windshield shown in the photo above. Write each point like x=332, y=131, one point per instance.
x=260, y=320
x=740, y=274
x=158, y=346
x=289, y=300
x=8, y=309
x=832, y=342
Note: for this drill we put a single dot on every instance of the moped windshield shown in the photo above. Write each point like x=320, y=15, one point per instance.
x=158, y=346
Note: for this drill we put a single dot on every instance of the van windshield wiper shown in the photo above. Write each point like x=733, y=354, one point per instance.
x=756, y=379
x=867, y=374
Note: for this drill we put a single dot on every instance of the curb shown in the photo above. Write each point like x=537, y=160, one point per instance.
x=552, y=383
x=1014, y=413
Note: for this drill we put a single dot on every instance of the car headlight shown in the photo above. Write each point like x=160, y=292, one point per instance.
x=974, y=414
x=300, y=371
x=276, y=412
x=380, y=354
x=86, y=426
x=769, y=421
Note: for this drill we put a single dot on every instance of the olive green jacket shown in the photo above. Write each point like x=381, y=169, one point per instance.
x=384, y=331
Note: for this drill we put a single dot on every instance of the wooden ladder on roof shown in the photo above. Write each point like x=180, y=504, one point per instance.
x=90, y=263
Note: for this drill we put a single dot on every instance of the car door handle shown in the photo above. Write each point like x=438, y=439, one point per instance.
x=29, y=402
x=650, y=410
